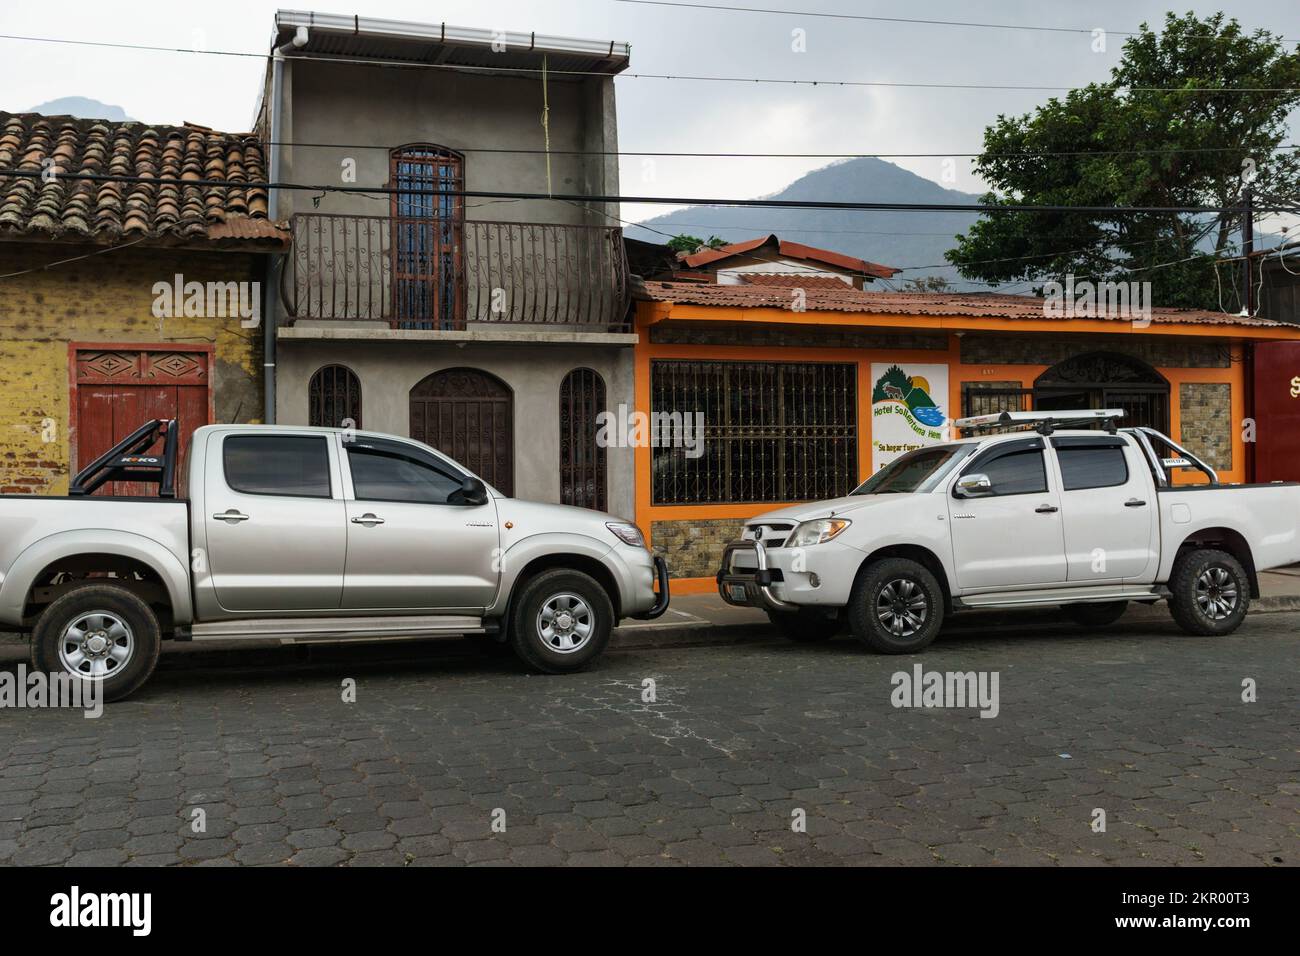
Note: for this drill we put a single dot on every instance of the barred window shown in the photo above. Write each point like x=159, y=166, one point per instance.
x=334, y=398
x=771, y=431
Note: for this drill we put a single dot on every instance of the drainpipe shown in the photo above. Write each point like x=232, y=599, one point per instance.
x=275, y=263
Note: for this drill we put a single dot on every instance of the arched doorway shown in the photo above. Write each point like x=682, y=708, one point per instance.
x=1106, y=380
x=468, y=414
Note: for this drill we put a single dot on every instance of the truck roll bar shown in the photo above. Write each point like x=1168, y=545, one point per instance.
x=127, y=461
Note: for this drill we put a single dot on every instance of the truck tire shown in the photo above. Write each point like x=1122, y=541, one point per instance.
x=1095, y=615
x=98, y=632
x=561, y=621
x=1209, y=592
x=805, y=626
x=896, y=606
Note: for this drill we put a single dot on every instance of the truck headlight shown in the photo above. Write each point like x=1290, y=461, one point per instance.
x=817, y=532
x=627, y=532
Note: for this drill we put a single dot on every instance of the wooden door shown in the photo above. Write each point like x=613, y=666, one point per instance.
x=468, y=415
x=117, y=388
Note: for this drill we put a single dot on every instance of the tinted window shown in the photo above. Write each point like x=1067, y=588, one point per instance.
x=381, y=475
x=1092, y=467
x=1019, y=473
x=290, y=465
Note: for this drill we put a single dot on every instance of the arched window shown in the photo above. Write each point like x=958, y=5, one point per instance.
x=334, y=398
x=427, y=227
x=469, y=415
x=1106, y=380
x=582, y=460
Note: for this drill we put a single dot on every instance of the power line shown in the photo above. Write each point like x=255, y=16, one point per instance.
x=696, y=78
x=642, y=200
x=879, y=19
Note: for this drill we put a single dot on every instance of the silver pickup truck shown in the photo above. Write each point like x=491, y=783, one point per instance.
x=1061, y=515
x=307, y=535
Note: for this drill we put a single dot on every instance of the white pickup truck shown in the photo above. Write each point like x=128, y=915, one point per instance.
x=307, y=535
x=1063, y=515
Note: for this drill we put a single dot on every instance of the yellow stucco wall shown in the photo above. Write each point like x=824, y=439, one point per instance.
x=106, y=298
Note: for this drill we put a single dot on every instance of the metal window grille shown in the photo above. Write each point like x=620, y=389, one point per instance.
x=772, y=432
x=334, y=397
x=582, y=460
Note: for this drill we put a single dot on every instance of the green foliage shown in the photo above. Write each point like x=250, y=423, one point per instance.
x=693, y=244
x=1180, y=145
x=927, y=284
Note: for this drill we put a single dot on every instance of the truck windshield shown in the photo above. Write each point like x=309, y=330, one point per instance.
x=917, y=471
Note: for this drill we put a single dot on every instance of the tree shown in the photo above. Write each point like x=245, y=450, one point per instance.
x=692, y=244
x=1186, y=117
x=927, y=284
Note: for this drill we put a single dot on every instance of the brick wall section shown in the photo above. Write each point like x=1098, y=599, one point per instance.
x=694, y=548
x=1048, y=350
x=1206, y=421
x=794, y=336
x=106, y=298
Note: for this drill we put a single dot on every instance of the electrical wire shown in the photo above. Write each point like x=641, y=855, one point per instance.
x=697, y=78
x=973, y=208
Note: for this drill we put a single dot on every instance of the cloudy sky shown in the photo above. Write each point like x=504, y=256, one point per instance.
x=654, y=114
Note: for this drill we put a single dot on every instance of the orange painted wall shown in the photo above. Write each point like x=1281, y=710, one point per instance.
x=649, y=313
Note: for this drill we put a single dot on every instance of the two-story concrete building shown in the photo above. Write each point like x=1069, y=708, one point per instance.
x=495, y=330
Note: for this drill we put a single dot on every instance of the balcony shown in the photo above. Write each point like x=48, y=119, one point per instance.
x=434, y=273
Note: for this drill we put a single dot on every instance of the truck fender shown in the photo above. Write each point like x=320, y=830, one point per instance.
x=39, y=555
x=551, y=544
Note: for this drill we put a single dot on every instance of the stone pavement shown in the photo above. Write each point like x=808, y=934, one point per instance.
x=743, y=738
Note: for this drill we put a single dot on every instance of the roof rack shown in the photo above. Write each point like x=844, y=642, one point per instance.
x=1045, y=422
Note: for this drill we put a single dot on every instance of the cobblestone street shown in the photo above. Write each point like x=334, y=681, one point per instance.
x=1141, y=722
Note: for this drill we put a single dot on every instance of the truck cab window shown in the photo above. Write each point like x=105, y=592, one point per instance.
x=1092, y=467
x=1019, y=473
x=381, y=474
x=295, y=466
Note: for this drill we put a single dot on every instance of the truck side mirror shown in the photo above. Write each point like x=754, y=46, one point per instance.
x=472, y=492
x=975, y=485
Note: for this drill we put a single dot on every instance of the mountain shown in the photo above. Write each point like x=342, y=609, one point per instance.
x=82, y=107
x=899, y=239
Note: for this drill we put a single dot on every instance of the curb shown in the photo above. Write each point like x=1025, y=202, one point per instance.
x=244, y=654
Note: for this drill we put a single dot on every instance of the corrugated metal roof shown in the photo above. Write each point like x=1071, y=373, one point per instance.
x=953, y=304
x=441, y=43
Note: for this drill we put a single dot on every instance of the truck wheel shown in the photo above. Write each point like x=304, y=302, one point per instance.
x=1095, y=615
x=896, y=606
x=98, y=632
x=1209, y=592
x=561, y=621
x=804, y=626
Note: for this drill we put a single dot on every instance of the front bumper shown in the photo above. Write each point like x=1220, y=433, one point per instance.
x=749, y=587
x=662, y=597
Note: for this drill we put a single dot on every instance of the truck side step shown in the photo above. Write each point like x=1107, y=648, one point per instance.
x=321, y=630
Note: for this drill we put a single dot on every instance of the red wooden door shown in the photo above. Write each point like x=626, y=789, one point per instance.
x=116, y=389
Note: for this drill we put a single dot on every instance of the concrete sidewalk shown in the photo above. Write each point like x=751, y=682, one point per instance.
x=694, y=619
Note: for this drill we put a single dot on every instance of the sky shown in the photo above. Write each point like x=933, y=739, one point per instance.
x=654, y=114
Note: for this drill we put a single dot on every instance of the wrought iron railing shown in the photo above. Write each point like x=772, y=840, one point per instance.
x=431, y=273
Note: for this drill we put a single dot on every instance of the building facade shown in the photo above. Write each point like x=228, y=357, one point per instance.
x=124, y=301
x=802, y=405
x=496, y=330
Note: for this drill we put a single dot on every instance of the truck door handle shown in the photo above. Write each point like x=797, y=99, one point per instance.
x=230, y=516
x=1134, y=503
x=368, y=519
x=1047, y=509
